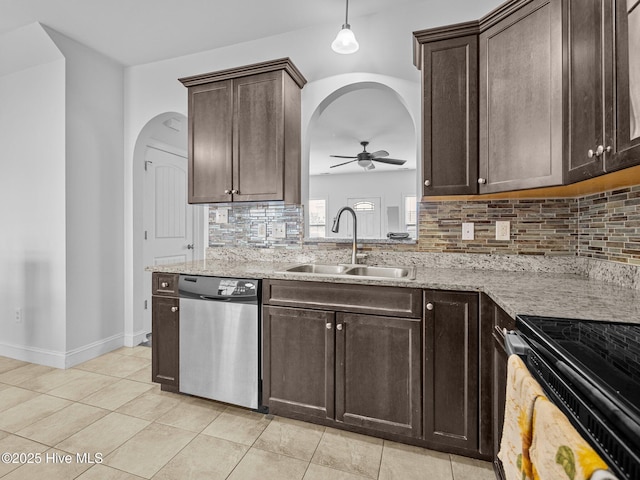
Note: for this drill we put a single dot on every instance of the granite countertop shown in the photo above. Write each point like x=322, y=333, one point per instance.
x=544, y=294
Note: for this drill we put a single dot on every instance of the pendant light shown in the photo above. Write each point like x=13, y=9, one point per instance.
x=345, y=41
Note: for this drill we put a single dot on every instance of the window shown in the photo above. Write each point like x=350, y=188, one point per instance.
x=410, y=215
x=364, y=206
x=317, y=218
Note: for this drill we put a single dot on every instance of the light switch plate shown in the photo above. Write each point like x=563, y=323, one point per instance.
x=279, y=230
x=262, y=230
x=503, y=230
x=467, y=231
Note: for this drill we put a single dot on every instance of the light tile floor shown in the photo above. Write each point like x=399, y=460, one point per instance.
x=107, y=411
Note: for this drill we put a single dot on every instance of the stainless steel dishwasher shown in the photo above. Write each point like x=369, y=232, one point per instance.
x=219, y=339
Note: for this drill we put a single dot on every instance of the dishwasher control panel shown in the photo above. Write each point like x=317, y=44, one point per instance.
x=218, y=288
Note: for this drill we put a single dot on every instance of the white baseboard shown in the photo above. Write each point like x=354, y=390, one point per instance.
x=135, y=339
x=62, y=360
x=93, y=350
x=50, y=358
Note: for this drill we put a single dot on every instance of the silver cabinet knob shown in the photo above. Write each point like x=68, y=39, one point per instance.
x=328, y=326
x=190, y=246
x=427, y=183
x=164, y=284
x=482, y=181
x=339, y=326
x=429, y=306
x=590, y=153
x=227, y=191
x=235, y=191
x=599, y=151
x=174, y=309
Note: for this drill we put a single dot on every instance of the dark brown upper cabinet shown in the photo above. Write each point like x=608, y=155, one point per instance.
x=589, y=98
x=244, y=133
x=627, y=48
x=448, y=59
x=521, y=97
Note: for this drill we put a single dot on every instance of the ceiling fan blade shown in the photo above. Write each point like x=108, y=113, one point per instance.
x=341, y=156
x=380, y=153
x=390, y=161
x=340, y=164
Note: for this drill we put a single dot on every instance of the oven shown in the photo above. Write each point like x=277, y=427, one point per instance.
x=591, y=371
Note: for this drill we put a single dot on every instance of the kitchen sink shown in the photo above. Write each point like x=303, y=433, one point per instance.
x=318, y=268
x=386, y=272
x=367, y=271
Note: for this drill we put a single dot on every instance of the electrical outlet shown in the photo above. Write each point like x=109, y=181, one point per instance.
x=18, y=315
x=279, y=230
x=467, y=231
x=222, y=215
x=503, y=230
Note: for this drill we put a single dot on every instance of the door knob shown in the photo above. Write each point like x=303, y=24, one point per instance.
x=235, y=192
x=427, y=183
x=482, y=181
x=429, y=306
x=174, y=309
x=328, y=326
x=227, y=191
x=164, y=284
x=190, y=246
x=339, y=326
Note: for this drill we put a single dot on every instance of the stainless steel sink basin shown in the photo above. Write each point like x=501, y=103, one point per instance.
x=318, y=268
x=408, y=273
x=385, y=272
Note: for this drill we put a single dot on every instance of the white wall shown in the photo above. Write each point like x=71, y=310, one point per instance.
x=94, y=200
x=32, y=211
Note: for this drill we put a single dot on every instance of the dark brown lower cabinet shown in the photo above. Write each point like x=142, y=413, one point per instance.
x=342, y=368
x=298, y=360
x=378, y=373
x=451, y=369
x=165, y=342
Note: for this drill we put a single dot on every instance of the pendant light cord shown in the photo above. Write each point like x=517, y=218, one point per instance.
x=346, y=15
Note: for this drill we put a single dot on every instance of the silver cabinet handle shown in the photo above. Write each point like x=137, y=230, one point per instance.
x=174, y=309
x=429, y=306
x=599, y=151
x=482, y=181
x=164, y=284
x=427, y=183
x=328, y=326
x=339, y=326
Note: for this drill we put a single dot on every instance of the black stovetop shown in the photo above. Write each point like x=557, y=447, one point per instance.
x=608, y=353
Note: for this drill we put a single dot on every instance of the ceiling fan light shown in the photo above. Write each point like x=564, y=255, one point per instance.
x=345, y=42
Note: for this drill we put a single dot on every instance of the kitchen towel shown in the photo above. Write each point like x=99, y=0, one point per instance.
x=521, y=395
x=558, y=452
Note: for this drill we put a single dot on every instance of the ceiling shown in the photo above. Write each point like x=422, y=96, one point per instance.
x=134, y=32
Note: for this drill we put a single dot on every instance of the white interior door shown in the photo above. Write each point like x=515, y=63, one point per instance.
x=170, y=223
x=369, y=216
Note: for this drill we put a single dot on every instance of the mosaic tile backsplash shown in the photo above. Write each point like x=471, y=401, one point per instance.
x=603, y=226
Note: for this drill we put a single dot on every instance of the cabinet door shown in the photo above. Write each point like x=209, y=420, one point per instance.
x=628, y=85
x=378, y=373
x=165, y=341
x=521, y=99
x=298, y=362
x=210, y=110
x=258, y=142
x=451, y=368
x=450, y=116
x=589, y=38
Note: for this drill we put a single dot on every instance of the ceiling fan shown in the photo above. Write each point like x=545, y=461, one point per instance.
x=365, y=159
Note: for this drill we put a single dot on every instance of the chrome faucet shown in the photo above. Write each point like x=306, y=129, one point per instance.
x=336, y=226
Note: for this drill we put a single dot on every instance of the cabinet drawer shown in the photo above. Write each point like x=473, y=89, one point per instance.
x=165, y=284
x=340, y=297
